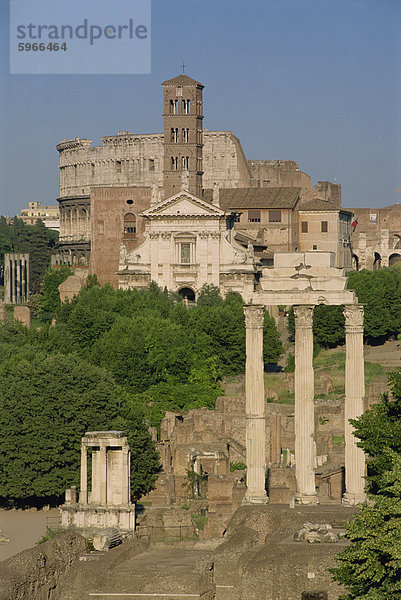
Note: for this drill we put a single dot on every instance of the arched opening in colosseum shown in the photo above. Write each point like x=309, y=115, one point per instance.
x=67, y=221
x=82, y=217
x=396, y=242
x=394, y=259
x=355, y=262
x=377, y=262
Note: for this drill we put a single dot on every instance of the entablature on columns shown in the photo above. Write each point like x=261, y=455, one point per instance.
x=105, y=439
x=295, y=297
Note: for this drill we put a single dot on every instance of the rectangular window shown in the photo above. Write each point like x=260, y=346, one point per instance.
x=324, y=227
x=304, y=226
x=151, y=164
x=275, y=216
x=118, y=166
x=186, y=253
x=254, y=216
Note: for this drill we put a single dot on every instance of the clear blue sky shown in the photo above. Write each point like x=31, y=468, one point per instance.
x=316, y=81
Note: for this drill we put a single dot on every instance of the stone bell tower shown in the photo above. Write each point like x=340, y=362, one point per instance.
x=183, y=134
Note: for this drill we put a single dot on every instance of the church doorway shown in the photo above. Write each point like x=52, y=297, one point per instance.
x=187, y=294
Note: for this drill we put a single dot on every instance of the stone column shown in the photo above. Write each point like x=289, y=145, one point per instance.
x=18, y=295
x=125, y=478
x=354, y=396
x=304, y=406
x=255, y=406
x=275, y=439
x=102, y=474
x=83, y=494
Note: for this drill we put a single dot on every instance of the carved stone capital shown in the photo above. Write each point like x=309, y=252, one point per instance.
x=154, y=236
x=254, y=316
x=303, y=316
x=353, y=314
x=215, y=235
x=166, y=236
x=203, y=235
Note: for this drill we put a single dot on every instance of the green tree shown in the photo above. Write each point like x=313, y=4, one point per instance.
x=209, y=295
x=48, y=403
x=272, y=346
x=370, y=567
x=378, y=429
x=380, y=292
x=36, y=240
x=49, y=301
x=328, y=325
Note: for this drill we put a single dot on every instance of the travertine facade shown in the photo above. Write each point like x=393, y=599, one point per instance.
x=376, y=241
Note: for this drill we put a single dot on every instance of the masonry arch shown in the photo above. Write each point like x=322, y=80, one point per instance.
x=82, y=220
x=355, y=262
x=396, y=241
x=377, y=261
x=394, y=258
x=187, y=294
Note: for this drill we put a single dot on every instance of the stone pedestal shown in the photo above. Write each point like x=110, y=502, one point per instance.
x=354, y=395
x=304, y=406
x=255, y=406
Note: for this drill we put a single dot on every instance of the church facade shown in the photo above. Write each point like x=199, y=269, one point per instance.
x=188, y=245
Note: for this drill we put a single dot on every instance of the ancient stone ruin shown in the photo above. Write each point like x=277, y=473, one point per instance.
x=107, y=505
x=16, y=278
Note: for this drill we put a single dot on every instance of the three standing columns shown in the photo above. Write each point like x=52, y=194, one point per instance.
x=354, y=397
x=304, y=406
x=255, y=406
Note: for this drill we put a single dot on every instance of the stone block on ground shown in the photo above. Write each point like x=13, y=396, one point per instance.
x=23, y=315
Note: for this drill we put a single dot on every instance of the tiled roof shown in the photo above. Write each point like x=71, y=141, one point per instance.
x=182, y=80
x=237, y=198
x=318, y=204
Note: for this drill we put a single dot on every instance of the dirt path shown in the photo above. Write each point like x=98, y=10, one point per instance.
x=24, y=528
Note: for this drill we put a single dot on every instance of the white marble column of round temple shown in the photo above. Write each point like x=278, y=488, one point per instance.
x=255, y=406
x=354, y=397
x=304, y=406
x=83, y=493
x=125, y=478
x=102, y=474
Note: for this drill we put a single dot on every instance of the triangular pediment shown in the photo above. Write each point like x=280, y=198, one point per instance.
x=184, y=204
